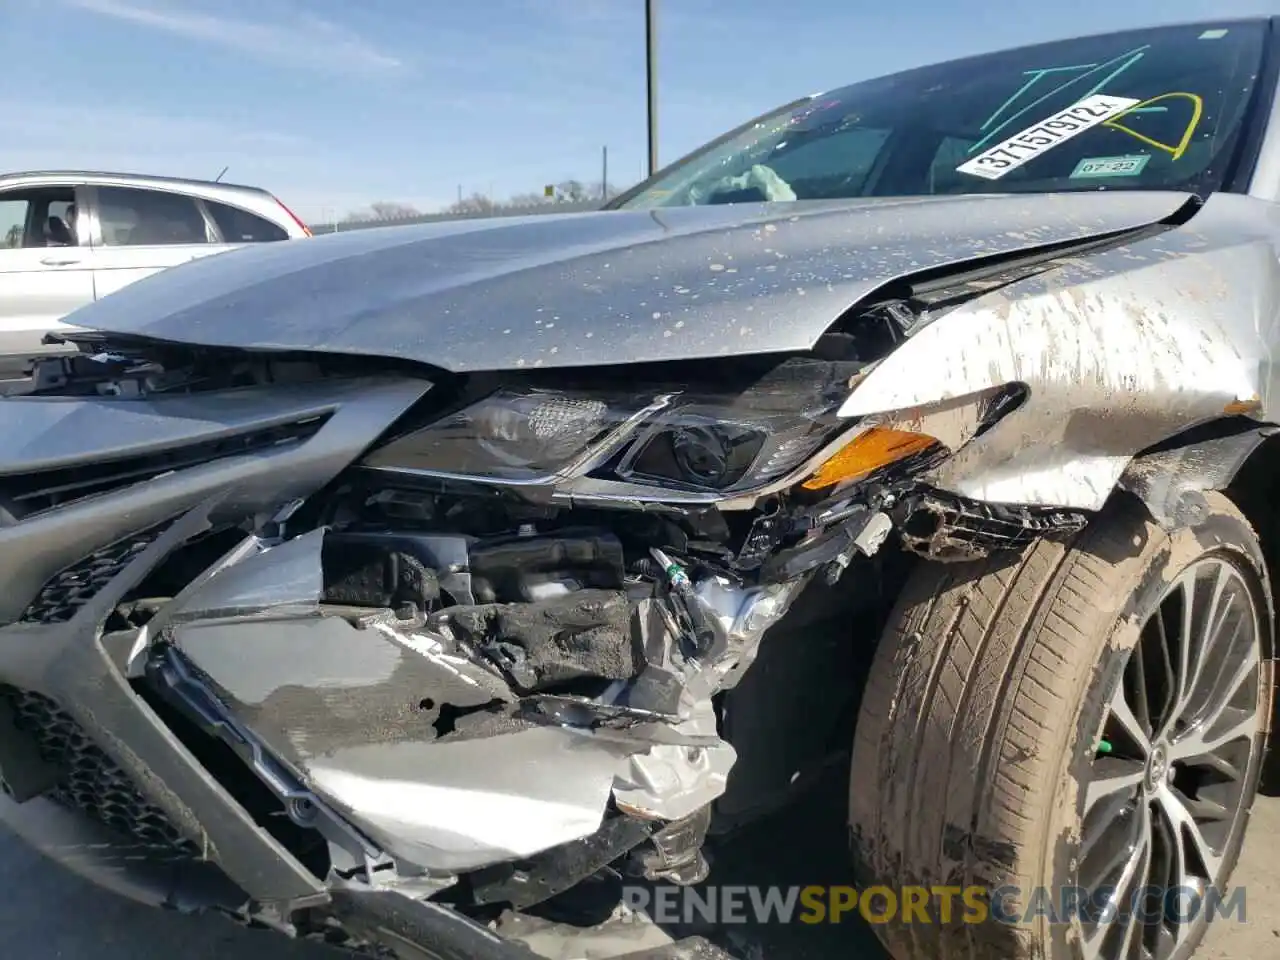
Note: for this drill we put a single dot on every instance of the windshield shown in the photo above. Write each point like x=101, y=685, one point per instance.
x=1148, y=109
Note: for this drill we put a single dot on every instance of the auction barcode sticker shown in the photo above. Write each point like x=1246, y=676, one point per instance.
x=994, y=163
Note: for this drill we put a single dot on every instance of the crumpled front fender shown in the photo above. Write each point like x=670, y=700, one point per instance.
x=1115, y=353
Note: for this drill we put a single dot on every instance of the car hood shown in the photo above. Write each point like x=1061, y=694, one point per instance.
x=596, y=288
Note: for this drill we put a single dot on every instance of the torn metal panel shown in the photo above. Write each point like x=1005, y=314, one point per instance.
x=349, y=700
x=607, y=719
x=670, y=782
x=313, y=685
x=467, y=804
x=354, y=699
x=560, y=868
x=1116, y=353
x=256, y=577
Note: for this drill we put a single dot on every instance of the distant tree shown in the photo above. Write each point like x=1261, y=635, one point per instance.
x=14, y=237
x=390, y=210
x=531, y=199
x=383, y=210
x=475, y=205
x=479, y=205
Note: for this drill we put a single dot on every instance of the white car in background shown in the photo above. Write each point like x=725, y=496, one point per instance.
x=68, y=238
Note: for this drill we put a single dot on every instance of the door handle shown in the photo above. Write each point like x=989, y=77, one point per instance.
x=59, y=261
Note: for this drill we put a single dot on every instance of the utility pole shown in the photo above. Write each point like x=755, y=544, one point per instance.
x=651, y=77
x=604, y=173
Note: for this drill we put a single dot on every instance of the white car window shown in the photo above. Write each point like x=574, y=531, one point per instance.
x=13, y=222
x=131, y=218
x=50, y=211
x=240, y=226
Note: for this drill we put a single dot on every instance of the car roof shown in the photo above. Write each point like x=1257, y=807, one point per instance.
x=103, y=177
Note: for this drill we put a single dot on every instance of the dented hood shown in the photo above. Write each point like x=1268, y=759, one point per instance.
x=596, y=288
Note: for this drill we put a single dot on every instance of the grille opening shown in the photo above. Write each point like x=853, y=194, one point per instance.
x=92, y=782
x=32, y=493
x=72, y=587
x=224, y=765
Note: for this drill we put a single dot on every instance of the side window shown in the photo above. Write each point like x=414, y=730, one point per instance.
x=943, y=178
x=239, y=226
x=38, y=218
x=131, y=218
x=13, y=221
x=830, y=166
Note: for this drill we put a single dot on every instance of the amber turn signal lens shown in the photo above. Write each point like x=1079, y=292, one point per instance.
x=1243, y=407
x=868, y=451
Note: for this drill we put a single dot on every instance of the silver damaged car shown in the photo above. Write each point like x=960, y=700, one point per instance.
x=419, y=588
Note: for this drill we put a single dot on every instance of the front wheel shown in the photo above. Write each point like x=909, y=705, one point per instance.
x=1072, y=736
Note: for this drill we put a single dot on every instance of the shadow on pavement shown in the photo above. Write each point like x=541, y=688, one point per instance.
x=50, y=914
x=803, y=845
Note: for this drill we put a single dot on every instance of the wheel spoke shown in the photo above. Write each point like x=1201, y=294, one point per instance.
x=1106, y=809
x=1124, y=782
x=1187, y=663
x=1222, y=769
x=1204, y=740
x=1203, y=808
x=1202, y=624
x=1128, y=834
x=1119, y=925
x=1128, y=721
x=1195, y=859
x=1165, y=657
x=1136, y=670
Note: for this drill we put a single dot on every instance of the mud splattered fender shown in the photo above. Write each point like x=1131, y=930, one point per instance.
x=1117, y=352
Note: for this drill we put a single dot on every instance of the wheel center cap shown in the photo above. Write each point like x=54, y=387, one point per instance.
x=1157, y=766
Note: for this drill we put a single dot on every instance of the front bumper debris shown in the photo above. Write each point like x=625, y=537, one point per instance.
x=399, y=729
x=283, y=738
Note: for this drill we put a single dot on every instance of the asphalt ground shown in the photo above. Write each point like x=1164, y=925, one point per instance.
x=48, y=914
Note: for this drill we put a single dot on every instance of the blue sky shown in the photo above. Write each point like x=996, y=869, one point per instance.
x=335, y=104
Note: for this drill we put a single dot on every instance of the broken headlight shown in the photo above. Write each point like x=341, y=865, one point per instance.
x=668, y=437
x=699, y=447
x=523, y=436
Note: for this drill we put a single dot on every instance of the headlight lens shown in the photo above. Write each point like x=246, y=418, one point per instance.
x=525, y=436
x=667, y=438
x=696, y=448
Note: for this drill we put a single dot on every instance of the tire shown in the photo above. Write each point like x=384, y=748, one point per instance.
x=979, y=734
